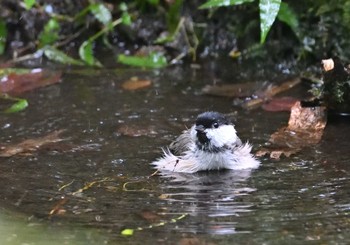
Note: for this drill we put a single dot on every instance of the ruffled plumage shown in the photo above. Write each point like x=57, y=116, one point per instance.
x=210, y=144
x=191, y=161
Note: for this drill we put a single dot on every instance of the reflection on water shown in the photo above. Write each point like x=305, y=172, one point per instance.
x=295, y=200
x=215, y=194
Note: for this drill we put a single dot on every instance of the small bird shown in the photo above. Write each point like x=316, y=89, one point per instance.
x=210, y=144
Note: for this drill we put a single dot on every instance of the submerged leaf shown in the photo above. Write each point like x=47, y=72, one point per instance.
x=135, y=131
x=54, y=54
x=219, y=3
x=16, y=81
x=3, y=36
x=271, y=91
x=30, y=145
x=86, y=54
x=134, y=84
x=232, y=90
x=268, y=12
x=153, y=60
x=279, y=104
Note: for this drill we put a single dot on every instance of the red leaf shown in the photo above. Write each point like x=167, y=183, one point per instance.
x=15, y=83
x=280, y=104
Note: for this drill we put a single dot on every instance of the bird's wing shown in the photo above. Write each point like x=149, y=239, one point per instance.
x=182, y=143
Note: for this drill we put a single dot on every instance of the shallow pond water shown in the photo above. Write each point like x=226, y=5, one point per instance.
x=98, y=181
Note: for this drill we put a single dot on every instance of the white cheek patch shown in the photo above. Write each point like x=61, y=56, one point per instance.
x=223, y=135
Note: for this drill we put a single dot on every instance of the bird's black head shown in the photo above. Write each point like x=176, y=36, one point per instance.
x=209, y=120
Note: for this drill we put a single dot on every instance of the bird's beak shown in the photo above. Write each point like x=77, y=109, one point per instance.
x=200, y=128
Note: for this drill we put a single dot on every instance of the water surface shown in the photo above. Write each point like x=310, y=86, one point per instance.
x=297, y=200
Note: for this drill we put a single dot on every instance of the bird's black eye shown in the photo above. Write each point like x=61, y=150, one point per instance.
x=215, y=125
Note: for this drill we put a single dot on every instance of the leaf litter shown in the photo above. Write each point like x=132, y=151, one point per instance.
x=254, y=95
x=135, y=83
x=28, y=146
x=17, y=82
x=305, y=128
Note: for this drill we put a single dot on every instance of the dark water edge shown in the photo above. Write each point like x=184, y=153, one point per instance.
x=297, y=200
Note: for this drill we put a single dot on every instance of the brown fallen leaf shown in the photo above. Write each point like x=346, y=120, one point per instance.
x=277, y=153
x=271, y=91
x=15, y=84
x=135, y=131
x=134, y=84
x=58, y=208
x=305, y=128
x=70, y=147
x=258, y=93
x=231, y=90
x=150, y=216
x=279, y=104
x=30, y=145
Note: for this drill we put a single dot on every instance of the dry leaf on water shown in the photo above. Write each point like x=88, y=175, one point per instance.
x=135, y=131
x=150, y=216
x=231, y=90
x=15, y=84
x=135, y=83
x=279, y=104
x=260, y=93
x=58, y=208
x=30, y=145
x=305, y=128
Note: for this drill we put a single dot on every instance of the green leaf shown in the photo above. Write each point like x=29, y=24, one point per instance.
x=126, y=18
x=19, y=105
x=173, y=15
x=3, y=36
x=86, y=54
x=127, y=232
x=79, y=17
x=346, y=14
x=101, y=13
x=268, y=12
x=50, y=33
x=123, y=7
x=58, y=56
x=29, y=4
x=219, y=3
x=6, y=71
x=288, y=16
x=153, y=2
x=153, y=60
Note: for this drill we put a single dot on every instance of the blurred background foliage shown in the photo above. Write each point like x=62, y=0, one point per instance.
x=155, y=33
